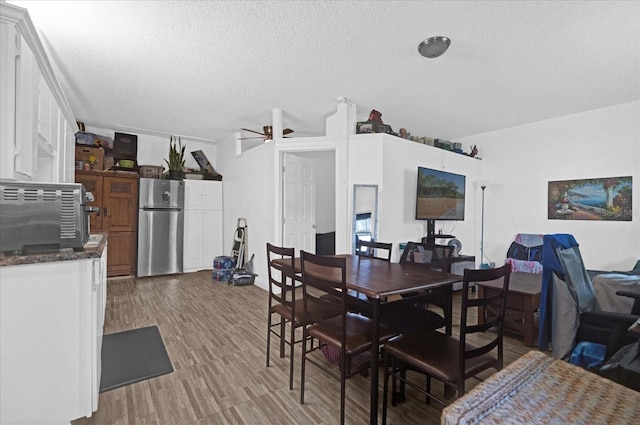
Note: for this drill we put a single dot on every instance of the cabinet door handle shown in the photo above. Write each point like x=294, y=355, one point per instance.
x=106, y=214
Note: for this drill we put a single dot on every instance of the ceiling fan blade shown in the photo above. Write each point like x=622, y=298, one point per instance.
x=287, y=131
x=252, y=131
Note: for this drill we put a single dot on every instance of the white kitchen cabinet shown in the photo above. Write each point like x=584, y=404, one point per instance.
x=7, y=98
x=17, y=75
x=202, y=224
x=47, y=108
x=26, y=96
x=66, y=151
x=51, y=320
x=33, y=108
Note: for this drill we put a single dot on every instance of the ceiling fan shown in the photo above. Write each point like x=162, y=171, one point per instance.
x=267, y=133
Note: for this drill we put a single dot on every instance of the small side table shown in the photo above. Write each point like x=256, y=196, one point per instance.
x=522, y=302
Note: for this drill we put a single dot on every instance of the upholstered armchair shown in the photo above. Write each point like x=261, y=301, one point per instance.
x=568, y=313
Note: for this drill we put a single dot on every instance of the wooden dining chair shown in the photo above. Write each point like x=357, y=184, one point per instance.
x=282, y=301
x=324, y=294
x=449, y=359
x=372, y=249
x=434, y=257
x=431, y=255
x=377, y=251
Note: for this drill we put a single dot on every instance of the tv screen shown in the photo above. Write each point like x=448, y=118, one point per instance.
x=439, y=195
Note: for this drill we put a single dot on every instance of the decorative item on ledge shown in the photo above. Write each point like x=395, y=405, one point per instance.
x=125, y=152
x=151, y=171
x=176, y=158
x=375, y=125
x=206, y=169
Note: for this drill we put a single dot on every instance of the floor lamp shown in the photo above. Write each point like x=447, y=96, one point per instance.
x=483, y=265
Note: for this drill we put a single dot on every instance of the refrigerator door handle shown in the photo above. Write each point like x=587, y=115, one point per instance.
x=147, y=208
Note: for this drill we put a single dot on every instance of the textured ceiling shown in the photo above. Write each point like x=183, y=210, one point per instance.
x=207, y=68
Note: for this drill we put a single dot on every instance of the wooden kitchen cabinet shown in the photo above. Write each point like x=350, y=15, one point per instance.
x=202, y=224
x=116, y=194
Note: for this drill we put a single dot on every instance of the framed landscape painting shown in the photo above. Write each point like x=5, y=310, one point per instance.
x=608, y=198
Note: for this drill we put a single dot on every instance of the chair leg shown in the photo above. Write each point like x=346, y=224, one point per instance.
x=268, y=337
x=394, y=388
x=343, y=381
x=291, y=354
x=282, y=334
x=400, y=397
x=428, y=387
x=385, y=388
x=450, y=391
x=303, y=363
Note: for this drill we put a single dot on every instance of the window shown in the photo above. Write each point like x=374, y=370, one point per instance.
x=363, y=227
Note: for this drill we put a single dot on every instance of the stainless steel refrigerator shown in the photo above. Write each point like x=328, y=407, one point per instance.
x=160, y=227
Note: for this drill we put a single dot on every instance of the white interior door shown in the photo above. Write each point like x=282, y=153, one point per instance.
x=299, y=188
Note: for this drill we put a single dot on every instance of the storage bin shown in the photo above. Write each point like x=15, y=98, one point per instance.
x=223, y=268
x=151, y=171
x=332, y=354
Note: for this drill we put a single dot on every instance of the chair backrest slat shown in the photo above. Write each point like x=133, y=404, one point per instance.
x=429, y=255
x=372, y=249
x=499, y=299
x=281, y=278
x=324, y=290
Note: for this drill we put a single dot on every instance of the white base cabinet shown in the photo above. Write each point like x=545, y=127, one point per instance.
x=202, y=224
x=51, y=328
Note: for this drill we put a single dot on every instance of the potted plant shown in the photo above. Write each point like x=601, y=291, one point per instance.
x=176, y=158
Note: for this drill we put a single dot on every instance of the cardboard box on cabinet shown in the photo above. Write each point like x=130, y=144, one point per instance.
x=89, y=158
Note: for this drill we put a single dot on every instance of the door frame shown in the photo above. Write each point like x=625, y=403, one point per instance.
x=310, y=146
x=305, y=178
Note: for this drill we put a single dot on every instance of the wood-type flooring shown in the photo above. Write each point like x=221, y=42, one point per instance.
x=215, y=335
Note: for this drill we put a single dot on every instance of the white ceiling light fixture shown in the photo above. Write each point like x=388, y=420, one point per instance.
x=435, y=46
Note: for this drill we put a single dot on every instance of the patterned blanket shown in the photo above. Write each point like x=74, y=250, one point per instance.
x=536, y=389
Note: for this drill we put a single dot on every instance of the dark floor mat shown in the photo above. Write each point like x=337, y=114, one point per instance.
x=133, y=356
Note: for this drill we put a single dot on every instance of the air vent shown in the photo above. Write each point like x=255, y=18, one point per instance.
x=30, y=194
x=10, y=194
x=67, y=216
x=49, y=195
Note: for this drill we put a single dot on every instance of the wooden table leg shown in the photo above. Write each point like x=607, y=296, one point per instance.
x=449, y=391
x=375, y=342
x=529, y=308
x=448, y=310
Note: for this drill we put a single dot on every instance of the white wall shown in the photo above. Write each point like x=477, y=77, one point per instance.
x=392, y=164
x=249, y=184
x=153, y=149
x=251, y=190
x=519, y=162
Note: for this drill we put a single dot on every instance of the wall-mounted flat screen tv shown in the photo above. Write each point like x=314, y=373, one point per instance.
x=439, y=195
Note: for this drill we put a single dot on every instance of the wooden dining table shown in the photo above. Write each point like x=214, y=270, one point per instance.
x=379, y=281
